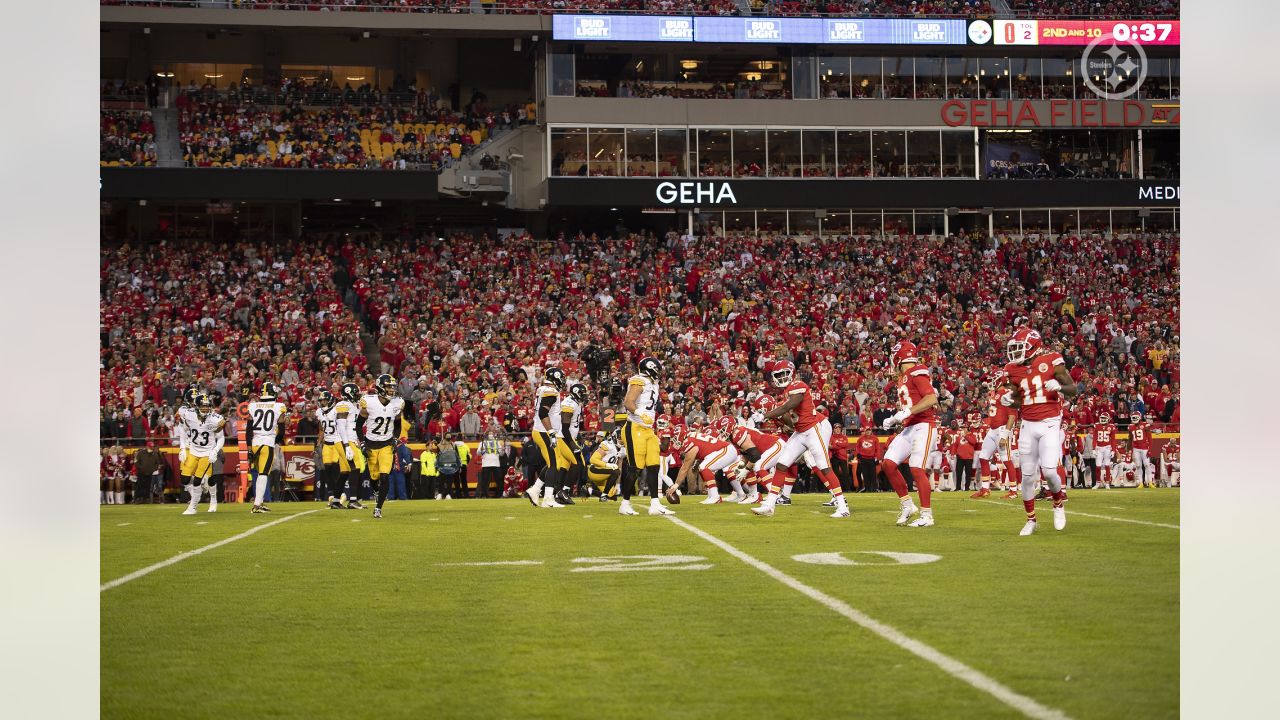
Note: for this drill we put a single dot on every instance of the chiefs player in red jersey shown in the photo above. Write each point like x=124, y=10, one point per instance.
x=1039, y=379
x=709, y=454
x=918, y=414
x=1140, y=439
x=759, y=449
x=995, y=443
x=1169, y=459
x=1104, y=437
x=811, y=439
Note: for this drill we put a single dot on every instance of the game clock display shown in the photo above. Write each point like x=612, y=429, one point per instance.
x=1079, y=32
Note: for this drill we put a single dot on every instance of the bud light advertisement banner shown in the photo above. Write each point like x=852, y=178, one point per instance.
x=622, y=27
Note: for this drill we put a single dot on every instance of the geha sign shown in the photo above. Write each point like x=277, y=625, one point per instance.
x=1057, y=113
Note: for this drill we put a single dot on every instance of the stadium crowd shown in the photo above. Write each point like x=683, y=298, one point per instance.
x=127, y=138
x=350, y=128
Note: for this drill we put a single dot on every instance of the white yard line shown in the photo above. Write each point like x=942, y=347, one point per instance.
x=192, y=553
x=1091, y=515
x=949, y=665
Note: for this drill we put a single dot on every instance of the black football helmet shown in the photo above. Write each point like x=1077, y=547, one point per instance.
x=204, y=405
x=270, y=391
x=385, y=386
x=326, y=398
x=651, y=368
x=350, y=392
x=555, y=376
x=578, y=392
x=189, y=395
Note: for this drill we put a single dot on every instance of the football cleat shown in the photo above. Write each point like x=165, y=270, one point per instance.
x=980, y=494
x=751, y=499
x=922, y=521
x=784, y=500
x=213, y=503
x=765, y=510
x=377, y=512
x=604, y=498
x=712, y=500
x=550, y=502
x=908, y=509
x=563, y=498
x=659, y=510
x=260, y=509
x=1029, y=528
x=335, y=504
x=529, y=495
x=354, y=504
x=1009, y=495
x=626, y=509
x=842, y=510
x=1059, y=517
x=829, y=503
x=191, y=510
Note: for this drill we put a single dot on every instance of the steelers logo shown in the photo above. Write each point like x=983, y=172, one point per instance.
x=1043, y=367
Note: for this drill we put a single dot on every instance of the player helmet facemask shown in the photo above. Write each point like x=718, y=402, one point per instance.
x=782, y=373
x=204, y=406
x=651, y=368
x=270, y=391
x=327, y=399
x=578, y=392
x=1024, y=344
x=385, y=386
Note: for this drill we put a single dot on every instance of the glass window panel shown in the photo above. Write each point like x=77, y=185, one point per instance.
x=866, y=223
x=930, y=78
x=888, y=153
x=715, y=155
x=671, y=153
x=642, y=153
x=1006, y=221
x=804, y=76
x=1160, y=154
x=1063, y=221
x=819, y=153
x=865, y=73
x=784, y=153
x=740, y=221
x=1156, y=84
x=962, y=77
x=957, y=153
x=993, y=77
x=803, y=222
x=569, y=151
x=1125, y=222
x=771, y=221
x=1035, y=221
x=710, y=224
x=561, y=74
x=898, y=72
x=1094, y=220
x=897, y=222
x=836, y=223
x=605, y=154
x=929, y=222
x=1175, y=78
x=748, y=153
x=854, y=148
x=1161, y=221
x=924, y=157
x=1059, y=78
x=1025, y=74
x=833, y=77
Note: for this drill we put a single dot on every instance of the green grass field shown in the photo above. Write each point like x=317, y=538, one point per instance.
x=336, y=615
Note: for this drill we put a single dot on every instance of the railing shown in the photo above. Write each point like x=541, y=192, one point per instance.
x=544, y=7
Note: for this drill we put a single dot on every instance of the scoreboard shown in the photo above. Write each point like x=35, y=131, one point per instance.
x=1082, y=32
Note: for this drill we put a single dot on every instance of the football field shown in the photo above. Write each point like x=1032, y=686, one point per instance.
x=494, y=609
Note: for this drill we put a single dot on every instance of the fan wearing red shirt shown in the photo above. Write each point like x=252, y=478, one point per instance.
x=995, y=444
x=966, y=442
x=868, y=455
x=1038, y=378
x=918, y=414
x=1140, y=439
x=1104, y=437
x=811, y=439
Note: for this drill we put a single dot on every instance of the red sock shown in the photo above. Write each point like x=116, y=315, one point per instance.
x=890, y=470
x=1062, y=475
x=922, y=487
x=1010, y=472
x=833, y=482
x=775, y=485
x=1106, y=475
x=986, y=471
x=1030, y=506
x=709, y=480
x=1058, y=498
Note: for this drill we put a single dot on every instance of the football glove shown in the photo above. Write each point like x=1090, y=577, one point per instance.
x=351, y=454
x=1007, y=399
x=1053, y=385
x=182, y=455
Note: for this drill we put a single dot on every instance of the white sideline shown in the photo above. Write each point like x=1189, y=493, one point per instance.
x=192, y=553
x=951, y=666
x=1091, y=515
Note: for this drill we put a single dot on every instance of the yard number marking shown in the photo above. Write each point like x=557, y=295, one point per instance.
x=898, y=558
x=617, y=563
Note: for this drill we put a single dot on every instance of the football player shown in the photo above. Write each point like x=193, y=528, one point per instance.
x=810, y=439
x=1038, y=379
x=761, y=451
x=917, y=413
x=995, y=444
x=710, y=452
x=574, y=466
x=548, y=422
x=266, y=417
x=603, y=467
x=337, y=453
x=1140, y=439
x=202, y=436
x=380, y=425
x=1171, y=466
x=643, y=453
x=1104, y=436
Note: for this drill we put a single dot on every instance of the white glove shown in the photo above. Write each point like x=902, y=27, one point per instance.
x=757, y=418
x=351, y=455
x=182, y=455
x=896, y=418
x=1007, y=399
x=1053, y=385
x=554, y=439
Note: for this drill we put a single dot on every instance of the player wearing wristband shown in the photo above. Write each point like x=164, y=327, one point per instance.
x=917, y=413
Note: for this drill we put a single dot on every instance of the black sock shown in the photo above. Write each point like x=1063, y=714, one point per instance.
x=651, y=480
x=628, y=477
x=383, y=483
